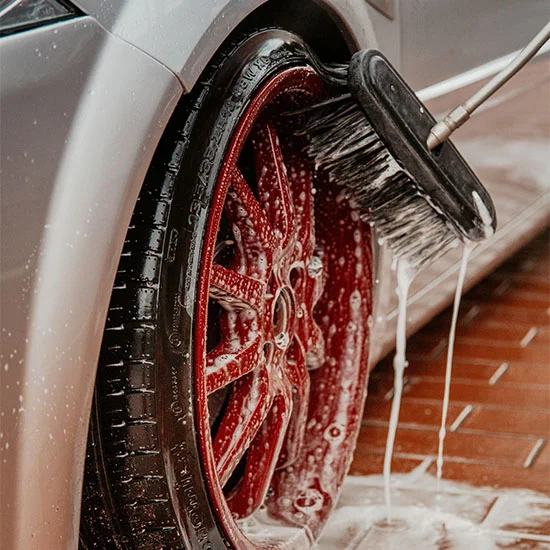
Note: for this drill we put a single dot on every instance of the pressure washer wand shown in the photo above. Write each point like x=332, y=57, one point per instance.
x=459, y=115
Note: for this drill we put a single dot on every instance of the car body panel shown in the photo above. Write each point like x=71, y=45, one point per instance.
x=82, y=112
x=83, y=105
x=184, y=35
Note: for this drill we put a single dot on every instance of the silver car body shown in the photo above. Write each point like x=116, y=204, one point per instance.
x=83, y=104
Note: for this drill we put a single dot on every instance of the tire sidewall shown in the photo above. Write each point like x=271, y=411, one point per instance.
x=210, y=118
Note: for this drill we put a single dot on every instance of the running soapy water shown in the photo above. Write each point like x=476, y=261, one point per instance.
x=405, y=275
x=468, y=247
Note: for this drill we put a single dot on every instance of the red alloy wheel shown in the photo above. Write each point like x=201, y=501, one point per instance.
x=282, y=329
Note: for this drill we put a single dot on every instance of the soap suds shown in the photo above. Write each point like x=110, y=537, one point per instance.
x=460, y=517
x=484, y=214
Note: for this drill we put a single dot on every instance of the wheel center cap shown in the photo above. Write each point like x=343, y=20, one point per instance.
x=283, y=317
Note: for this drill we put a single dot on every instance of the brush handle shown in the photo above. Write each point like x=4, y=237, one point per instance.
x=458, y=116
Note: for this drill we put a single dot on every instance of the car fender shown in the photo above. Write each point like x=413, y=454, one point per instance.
x=184, y=35
x=100, y=106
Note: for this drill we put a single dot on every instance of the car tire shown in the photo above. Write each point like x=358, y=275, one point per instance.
x=233, y=367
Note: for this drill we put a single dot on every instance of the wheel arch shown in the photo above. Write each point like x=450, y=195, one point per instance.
x=158, y=30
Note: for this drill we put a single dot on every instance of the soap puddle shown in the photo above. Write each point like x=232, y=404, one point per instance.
x=457, y=517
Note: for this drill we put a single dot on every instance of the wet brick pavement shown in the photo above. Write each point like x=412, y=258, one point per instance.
x=499, y=415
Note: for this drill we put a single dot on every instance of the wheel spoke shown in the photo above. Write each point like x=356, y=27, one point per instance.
x=301, y=185
x=262, y=459
x=297, y=378
x=309, y=287
x=315, y=286
x=224, y=364
x=235, y=291
x=247, y=409
x=254, y=236
x=273, y=188
x=315, y=356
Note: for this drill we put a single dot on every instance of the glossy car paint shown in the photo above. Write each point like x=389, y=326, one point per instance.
x=81, y=113
x=184, y=34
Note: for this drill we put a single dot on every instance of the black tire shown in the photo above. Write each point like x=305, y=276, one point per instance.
x=144, y=402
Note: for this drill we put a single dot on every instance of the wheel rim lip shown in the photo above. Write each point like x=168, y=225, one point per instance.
x=270, y=90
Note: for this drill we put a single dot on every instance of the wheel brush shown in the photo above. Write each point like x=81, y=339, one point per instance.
x=410, y=184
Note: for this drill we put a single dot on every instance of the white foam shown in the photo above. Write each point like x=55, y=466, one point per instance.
x=460, y=517
x=483, y=212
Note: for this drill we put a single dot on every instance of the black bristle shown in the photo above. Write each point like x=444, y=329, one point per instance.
x=346, y=146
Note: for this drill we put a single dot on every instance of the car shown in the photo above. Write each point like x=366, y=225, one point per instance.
x=190, y=309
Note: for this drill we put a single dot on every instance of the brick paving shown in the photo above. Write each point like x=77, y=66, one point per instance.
x=499, y=415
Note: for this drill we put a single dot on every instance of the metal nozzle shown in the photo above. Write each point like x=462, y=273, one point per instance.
x=442, y=130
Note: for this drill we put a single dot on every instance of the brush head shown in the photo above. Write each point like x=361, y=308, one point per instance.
x=373, y=142
x=404, y=123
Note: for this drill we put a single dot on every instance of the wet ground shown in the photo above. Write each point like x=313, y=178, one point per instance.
x=497, y=453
